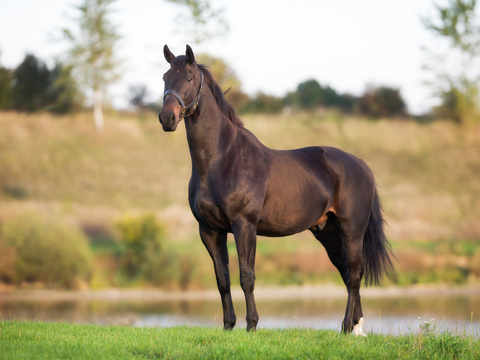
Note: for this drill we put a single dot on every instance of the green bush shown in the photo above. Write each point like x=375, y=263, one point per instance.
x=146, y=256
x=141, y=238
x=7, y=267
x=382, y=101
x=45, y=250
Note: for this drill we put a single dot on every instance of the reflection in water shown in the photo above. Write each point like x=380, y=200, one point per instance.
x=393, y=315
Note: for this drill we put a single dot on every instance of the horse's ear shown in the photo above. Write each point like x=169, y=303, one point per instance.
x=190, y=55
x=168, y=54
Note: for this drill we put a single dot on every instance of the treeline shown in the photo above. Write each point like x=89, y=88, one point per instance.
x=34, y=86
x=376, y=101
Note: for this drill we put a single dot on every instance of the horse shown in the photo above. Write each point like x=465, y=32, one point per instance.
x=240, y=186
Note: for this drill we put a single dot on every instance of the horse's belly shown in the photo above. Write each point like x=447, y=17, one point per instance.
x=292, y=212
x=286, y=228
x=267, y=229
x=276, y=224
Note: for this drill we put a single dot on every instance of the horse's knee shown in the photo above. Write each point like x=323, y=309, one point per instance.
x=247, y=280
x=223, y=286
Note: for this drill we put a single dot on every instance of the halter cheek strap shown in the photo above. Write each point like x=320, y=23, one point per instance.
x=190, y=108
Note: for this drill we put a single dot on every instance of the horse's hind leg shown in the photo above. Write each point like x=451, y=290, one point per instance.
x=345, y=252
x=353, y=314
x=354, y=232
x=330, y=236
x=216, y=244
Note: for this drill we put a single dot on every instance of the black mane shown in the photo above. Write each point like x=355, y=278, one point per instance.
x=218, y=94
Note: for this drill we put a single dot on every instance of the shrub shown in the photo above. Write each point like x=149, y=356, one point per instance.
x=141, y=238
x=7, y=266
x=382, y=101
x=145, y=256
x=263, y=103
x=45, y=250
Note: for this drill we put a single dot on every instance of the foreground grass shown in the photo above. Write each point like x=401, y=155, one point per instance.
x=35, y=340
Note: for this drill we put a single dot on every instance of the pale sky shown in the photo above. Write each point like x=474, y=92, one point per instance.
x=272, y=45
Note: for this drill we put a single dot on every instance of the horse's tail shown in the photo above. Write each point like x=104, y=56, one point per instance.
x=376, y=248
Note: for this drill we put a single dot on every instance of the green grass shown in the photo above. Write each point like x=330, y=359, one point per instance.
x=36, y=340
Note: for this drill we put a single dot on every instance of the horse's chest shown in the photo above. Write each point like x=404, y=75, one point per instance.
x=205, y=209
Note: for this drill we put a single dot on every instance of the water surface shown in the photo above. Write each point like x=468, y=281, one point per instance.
x=388, y=311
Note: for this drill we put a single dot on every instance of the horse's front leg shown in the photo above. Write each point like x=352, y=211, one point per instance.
x=216, y=244
x=245, y=235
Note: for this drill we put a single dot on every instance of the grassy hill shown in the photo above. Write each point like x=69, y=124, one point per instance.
x=427, y=175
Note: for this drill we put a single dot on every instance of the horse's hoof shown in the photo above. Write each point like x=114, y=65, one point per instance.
x=228, y=327
x=252, y=327
x=358, y=329
x=346, y=329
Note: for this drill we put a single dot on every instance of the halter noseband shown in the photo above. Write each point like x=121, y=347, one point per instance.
x=192, y=106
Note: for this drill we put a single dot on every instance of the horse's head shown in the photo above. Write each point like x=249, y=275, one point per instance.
x=183, y=85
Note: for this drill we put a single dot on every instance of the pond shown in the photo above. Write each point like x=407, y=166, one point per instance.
x=389, y=311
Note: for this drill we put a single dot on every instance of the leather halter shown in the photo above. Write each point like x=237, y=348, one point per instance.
x=190, y=107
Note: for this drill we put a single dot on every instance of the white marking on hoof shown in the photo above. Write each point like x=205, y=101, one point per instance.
x=358, y=329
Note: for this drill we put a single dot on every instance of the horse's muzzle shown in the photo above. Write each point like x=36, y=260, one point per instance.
x=169, y=120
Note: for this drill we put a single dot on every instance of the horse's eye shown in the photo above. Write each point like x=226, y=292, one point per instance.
x=189, y=78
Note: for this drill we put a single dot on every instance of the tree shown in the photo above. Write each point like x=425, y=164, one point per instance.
x=138, y=95
x=35, y=87
x=201, y=23
x=30, y=85
x=63, y=90
x=92, y=52
x=6, y=81
x=382, y=101
x=226, y=77
x=263, y=103
x=310, y=95
x=206, y=22
x=456, y=75
x=138, y=98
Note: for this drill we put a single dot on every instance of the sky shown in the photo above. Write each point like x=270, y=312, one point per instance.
x=272, y=45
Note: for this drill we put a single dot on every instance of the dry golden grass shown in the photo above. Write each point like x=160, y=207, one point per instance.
x=428, y=176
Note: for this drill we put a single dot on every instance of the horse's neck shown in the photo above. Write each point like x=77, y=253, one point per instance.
x=209, y=132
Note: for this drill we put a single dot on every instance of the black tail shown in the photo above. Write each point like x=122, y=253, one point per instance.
x=376, y=248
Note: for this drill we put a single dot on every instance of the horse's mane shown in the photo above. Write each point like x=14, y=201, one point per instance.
x=218, y=94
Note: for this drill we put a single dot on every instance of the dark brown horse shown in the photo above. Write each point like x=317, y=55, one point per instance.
x=240, y=186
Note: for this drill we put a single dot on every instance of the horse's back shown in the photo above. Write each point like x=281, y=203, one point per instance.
x=326, y=164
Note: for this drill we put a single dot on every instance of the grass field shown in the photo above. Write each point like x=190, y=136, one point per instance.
x=427, y=176
x=36, y=340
